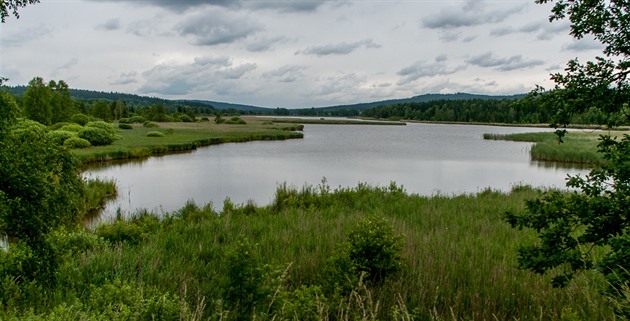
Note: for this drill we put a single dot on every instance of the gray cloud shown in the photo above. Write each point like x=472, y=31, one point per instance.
x=441, y=58
x=281, y=6
x=111, y=24
x=287, y=73
x=338, y=49
x=125, y=78
x=202, y=74
x=488, y=60
x=263, y=44
x=584, y=44
x=26, y=35
x=67, y=65
x=424, y=70
x=473, y=13
x=217, y=28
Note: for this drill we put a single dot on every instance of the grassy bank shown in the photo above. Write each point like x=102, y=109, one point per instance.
x=134, y=143
x=577, y=147
x=285, y=262
x=324, y=121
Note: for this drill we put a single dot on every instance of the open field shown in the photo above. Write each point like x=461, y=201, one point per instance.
x=180, y=136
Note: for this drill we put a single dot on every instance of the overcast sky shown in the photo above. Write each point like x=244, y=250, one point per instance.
x=289, y=53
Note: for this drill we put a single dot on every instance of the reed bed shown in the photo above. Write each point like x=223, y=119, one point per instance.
x=458, y=260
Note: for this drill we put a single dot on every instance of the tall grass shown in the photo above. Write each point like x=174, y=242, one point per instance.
x=577, y=147
x=459, y=259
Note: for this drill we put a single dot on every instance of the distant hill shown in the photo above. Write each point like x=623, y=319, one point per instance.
x=422, y=98
x=139, y=101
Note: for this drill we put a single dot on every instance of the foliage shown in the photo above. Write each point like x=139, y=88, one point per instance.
x=100, y=109
x=588, y=228
x=155, y=134
x=124, y=126
x=185, y=118
x=76, y=143
x=13, y=6
x=61, y=104
x=36, y=101
x=9, y=111
x=60, y=136
x=133, y=119
x=96, y=136
x=235, y=121
x=150, y=124
x=80, y=119
x=75, y=128
x=102, y=125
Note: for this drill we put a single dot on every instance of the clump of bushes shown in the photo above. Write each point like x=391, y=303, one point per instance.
x=155, y=134
x=132, y=120
x=150, y=124
x=29, y=124
x=185, y=118
x=124, y=126
x=102, y=125
x=76, y=143
x=235, y=121
x=71, y=128
x=96, y=136
x=80, y=119
x=60, y=136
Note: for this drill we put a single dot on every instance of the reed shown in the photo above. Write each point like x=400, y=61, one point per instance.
x=459, y=259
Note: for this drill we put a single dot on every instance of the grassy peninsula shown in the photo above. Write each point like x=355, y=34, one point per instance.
x=136, y=142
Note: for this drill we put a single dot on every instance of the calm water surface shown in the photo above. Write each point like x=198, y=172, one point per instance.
x=424, y=158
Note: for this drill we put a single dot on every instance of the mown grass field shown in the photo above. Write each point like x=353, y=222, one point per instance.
x=180, y=136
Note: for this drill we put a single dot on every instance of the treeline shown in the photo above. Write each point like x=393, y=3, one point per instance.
x=508, y=111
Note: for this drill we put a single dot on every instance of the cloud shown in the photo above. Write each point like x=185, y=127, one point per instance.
x=215, y=74
x=111, y=24
x=424, y=70
x=217, y=28
x=584, y=44
x=125, y=78
x=441, y=58
x=473, y=13
x=488, y=60
x=67, y=65
x=26, y=35
x=263, y=44
x=281, y=6
x=287, y=73
x=338, y=49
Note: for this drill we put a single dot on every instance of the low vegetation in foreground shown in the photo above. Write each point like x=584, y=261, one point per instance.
x=362, y=253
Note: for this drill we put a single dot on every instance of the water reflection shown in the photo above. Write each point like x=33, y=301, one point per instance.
x=423, y=158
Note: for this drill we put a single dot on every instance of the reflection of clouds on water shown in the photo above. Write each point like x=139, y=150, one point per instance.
x=425, y=159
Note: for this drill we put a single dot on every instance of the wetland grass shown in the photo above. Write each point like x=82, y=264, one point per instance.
x=458, y=259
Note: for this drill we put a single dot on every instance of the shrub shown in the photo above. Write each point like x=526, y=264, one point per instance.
x=155, y=134
x=235, y=121
x=56, y=126
x=72, y=128
x=185, y=118
x=132, y=120
x=96, y=136
x=124, y=126
x=29, y=124
x=60, y=136
x=76, y=143
x=80, y=119
x=102, y=125
x=205, y=118
x=120, y=232
x=150, y=124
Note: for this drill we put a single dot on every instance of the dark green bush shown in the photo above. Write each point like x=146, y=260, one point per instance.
x=102, y=125
x=57, y=126
x=150, y=124
x=76, y=142
x=80, y=119
x=96, y=136
x=60, y=136
x=124, y=126
x=155, y=134
x=235, y=121
x=132, y=120
x=27, y=124
x=72, y=128
x=185, y=118
x=120, y=232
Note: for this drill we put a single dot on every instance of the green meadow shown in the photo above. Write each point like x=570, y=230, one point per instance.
x=136, y=142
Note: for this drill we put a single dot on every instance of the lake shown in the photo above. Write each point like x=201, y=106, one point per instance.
x=425, y=159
